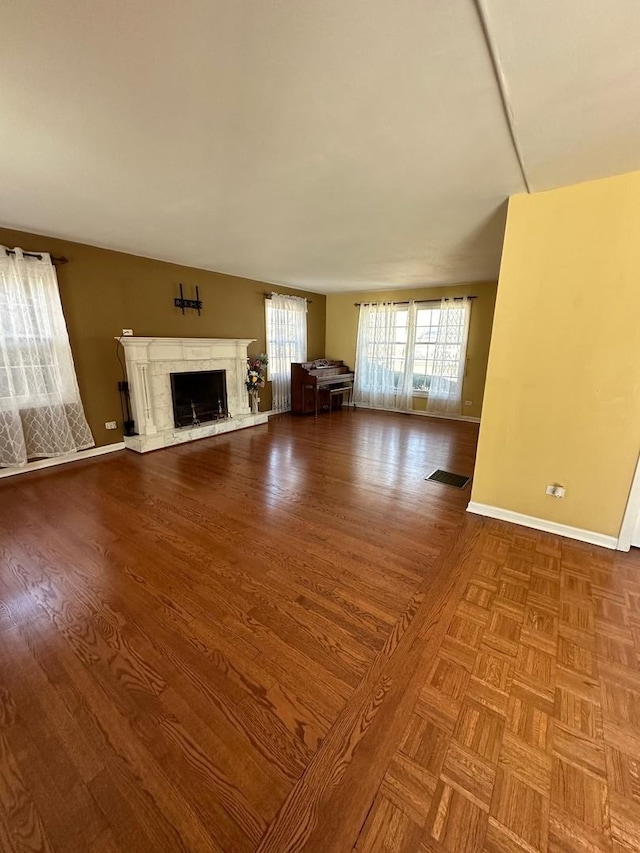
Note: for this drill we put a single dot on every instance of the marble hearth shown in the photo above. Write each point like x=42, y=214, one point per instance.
x=150, y=363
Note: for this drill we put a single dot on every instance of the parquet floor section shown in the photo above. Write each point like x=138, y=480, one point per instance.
x=285, y=639
x=526, y=733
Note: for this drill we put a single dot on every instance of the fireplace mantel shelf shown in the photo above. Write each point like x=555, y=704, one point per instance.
x=150, y=363
x=128, y=340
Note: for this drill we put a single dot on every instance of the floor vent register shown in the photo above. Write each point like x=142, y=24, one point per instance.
x=458, y=481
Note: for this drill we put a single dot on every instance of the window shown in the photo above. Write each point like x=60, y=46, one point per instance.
x=411, y=350
x=431, y=357
x=28, y=344
x=286, y=327
x=41, y=413
x=386, y=348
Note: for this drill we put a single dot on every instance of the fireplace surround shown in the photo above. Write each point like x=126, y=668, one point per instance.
x=150, y=363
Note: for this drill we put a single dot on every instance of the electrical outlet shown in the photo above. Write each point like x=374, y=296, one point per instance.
x=554, y=490
x=127, y=333
x=110, y=425
x=468, y=402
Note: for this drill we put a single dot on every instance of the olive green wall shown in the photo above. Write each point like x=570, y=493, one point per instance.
x=342, y=330
x=104, y=292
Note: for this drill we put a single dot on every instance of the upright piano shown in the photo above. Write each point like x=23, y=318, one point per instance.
x=316, y=384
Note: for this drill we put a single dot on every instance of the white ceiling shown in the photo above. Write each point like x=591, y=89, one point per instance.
x=322, y=144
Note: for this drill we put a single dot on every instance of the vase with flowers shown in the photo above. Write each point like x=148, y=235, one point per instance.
x=256, y=370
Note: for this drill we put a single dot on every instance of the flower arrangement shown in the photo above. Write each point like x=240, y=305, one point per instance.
x=256, y=372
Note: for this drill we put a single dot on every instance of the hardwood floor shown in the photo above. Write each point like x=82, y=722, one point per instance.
x=285, y=639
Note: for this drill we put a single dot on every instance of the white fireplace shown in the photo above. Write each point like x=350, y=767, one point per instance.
x=150, y=363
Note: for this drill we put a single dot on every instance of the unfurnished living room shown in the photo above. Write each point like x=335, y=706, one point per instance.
x=320, y=426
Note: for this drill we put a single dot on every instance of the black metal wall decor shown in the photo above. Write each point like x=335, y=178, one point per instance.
x=182, y=303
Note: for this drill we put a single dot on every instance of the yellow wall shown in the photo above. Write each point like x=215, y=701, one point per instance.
x=104, y=292
x=562, y=400
x=342, y=330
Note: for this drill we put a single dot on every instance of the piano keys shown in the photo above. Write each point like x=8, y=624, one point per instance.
x=315, y=385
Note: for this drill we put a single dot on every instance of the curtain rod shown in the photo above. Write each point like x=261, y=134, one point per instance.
x=417, y=301
x=270, y=295
x=54, y=260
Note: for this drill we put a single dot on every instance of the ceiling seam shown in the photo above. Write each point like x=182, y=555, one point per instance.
x=502, y=86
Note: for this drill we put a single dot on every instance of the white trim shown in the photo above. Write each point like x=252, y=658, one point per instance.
x=466, y=418
x=578, y=533
x=39, y=464
x=418, y=412
x=631, y=514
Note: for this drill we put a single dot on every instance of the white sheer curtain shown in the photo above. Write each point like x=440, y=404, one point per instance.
x=449, y=357
x=41, y=412
x=384, y=355
x=286, y=321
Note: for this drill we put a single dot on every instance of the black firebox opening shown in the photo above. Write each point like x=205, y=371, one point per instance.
x=199, y=397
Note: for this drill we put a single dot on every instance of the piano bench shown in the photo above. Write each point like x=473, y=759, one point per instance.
x=342, y=390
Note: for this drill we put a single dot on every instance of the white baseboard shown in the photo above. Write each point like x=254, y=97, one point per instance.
x=419, y=412
x=467, y=418
x=39, y=464
x=543, y=524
